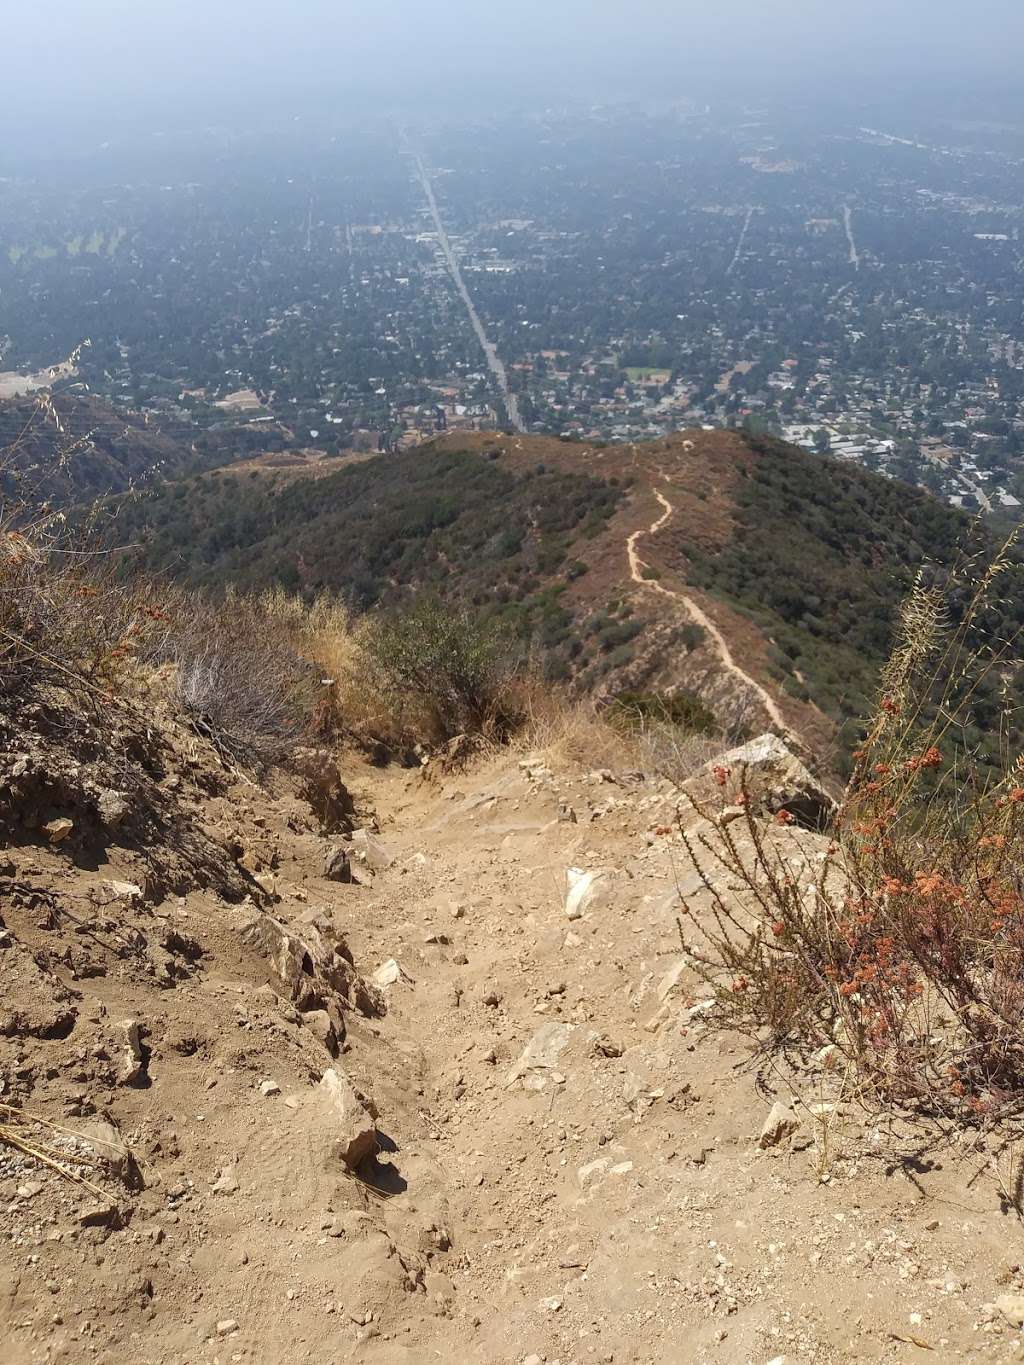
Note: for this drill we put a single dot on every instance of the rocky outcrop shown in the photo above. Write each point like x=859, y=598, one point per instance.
x=314, y=970
x=767, y=777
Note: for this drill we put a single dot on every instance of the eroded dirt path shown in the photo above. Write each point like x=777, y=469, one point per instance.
x=570, y=1167
x=729, y=664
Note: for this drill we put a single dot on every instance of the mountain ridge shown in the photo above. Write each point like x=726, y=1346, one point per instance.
x=798, y=562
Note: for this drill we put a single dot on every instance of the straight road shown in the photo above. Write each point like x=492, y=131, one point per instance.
x=494, y=362
x=848, y=221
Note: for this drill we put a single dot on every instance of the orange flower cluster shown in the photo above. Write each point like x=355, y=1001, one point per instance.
x=931, y=758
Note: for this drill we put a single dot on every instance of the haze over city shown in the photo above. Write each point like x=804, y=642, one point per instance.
x=180, y=62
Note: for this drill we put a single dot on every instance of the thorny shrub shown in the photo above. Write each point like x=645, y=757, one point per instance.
x=243, y=684
x=900, y=944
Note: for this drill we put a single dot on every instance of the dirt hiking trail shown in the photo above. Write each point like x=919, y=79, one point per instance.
x=570, y=1165
x=699, y=616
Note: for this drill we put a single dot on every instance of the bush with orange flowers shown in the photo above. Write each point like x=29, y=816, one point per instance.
x=900, y=940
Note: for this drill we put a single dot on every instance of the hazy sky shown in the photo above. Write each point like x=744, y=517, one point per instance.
x=71, y=59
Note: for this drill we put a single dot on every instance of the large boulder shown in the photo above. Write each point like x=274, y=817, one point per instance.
x=772, y=777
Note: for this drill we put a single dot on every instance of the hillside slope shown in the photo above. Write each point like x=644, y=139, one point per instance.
x=72, y=448
x=791, y=563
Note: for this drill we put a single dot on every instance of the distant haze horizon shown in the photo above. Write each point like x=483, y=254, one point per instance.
x=103, y=62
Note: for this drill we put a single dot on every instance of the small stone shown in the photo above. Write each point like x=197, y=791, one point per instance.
x=389, y=974
x=226, y=1182
x=780, y=1124
x=551, y=1305
x=114, y=808
x=338, y=866
x=226, y=1326
x=268, y=1088
x=126, y=891
x=1011, y=1306
x=132, y=1070
x=371, y=851
x=96, y=1215
x=489, y=996
x=672, y=979
x=107, y=1142
x=587, y=890
x=354, y=1135
x=58, y=830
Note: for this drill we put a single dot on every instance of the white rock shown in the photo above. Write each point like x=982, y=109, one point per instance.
x=1012, y=1308
x=593, y=1170
x=226, y=1326
x=226, y=1182
x=389, y=974
x=133, y=1065
x=542, y=1052
x=126, y=891
x=369, y=850
x=268, y=1088
x=672, y=978
x=586, y=891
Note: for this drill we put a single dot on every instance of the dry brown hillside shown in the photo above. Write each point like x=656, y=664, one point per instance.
x=745, y=572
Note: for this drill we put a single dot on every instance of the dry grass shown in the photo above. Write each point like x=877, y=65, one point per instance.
x=567, y=733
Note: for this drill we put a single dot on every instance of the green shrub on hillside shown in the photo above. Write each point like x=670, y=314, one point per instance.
x=448, y=668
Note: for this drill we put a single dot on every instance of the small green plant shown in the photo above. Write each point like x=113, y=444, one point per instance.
x=448, y=671
x=638, y=711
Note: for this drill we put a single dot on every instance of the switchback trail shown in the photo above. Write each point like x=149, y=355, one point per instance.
x=701, y=617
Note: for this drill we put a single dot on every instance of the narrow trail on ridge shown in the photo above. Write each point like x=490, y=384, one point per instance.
x=636, y=566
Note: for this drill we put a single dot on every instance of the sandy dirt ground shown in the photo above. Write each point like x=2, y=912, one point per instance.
x=569, y=1168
